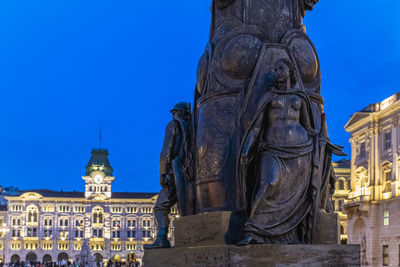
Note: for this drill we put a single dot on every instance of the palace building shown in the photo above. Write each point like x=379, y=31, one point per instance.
x=342, y=190
x=51, y=226
x=373, y=206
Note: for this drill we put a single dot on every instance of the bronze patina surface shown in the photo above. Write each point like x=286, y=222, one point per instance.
x=259, y=144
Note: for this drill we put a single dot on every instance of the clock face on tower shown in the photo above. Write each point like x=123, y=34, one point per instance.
x=98, y=179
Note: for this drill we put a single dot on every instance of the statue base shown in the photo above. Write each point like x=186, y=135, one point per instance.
x=255, y=255
x=225, y=227
x=203, y=240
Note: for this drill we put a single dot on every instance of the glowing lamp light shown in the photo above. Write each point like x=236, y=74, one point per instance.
x=387, y=195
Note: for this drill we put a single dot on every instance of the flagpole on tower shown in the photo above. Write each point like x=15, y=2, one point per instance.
x=100, y=136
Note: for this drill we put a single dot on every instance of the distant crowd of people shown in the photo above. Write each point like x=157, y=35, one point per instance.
x=64, y=263
x=39, y=264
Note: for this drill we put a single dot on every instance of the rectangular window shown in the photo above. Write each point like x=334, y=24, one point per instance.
x=131, y=234
x=116, y=234
x=387, y=181
x=362, y=150
x=385, y=255
x=32, y=232
x=146, y=223
x=131, y=223
x=388, y=176
x=146, y=233
x=48, y=233
x=97, y=233
x=388, y=140
x=386, y=217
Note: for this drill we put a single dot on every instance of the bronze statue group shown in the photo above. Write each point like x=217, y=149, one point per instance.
x=256, y=140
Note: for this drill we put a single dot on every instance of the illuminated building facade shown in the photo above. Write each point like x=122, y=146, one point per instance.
x=342, y=190
x=3, y=230
x=49, y=226
x=373, y=207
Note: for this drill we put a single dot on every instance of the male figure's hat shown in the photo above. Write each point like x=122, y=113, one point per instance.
x=181, y=106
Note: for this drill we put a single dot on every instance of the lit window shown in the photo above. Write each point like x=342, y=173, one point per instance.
x=385, y=217
x=387, y=181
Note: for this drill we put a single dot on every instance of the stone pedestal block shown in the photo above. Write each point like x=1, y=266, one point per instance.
x=255, y=255
x=203, y=240
x=328, y=229
x=220, y=228
x=210, y=228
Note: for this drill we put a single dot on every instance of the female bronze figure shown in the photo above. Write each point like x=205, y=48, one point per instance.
x=279, y=147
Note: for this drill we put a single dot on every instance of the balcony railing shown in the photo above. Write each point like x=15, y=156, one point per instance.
x=31, y=238
x=358, y=199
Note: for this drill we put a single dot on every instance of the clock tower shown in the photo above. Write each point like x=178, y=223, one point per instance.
x=99, y=176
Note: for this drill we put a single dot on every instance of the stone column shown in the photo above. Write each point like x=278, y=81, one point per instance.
x=395, y=169
x=373, y=164
x=353, y=164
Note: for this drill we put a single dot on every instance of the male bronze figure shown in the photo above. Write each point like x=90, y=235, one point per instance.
x=174, y=173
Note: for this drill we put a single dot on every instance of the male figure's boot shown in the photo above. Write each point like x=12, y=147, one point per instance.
x=162, y=235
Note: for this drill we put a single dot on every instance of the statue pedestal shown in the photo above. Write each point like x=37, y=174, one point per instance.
x=201, y=240
x=255, y=255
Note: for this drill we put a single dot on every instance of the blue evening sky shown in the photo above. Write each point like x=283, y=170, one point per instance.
x=69, y=66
